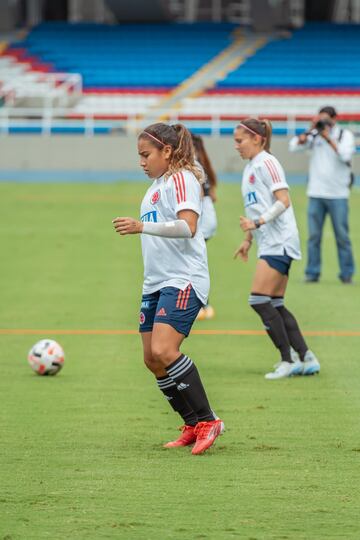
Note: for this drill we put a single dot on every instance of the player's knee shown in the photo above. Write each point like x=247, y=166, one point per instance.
x=149, y=361
x=161, y=352
x=152, y=364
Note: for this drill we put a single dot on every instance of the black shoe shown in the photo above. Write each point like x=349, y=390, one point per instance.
x=346, y=280
x=311, y=279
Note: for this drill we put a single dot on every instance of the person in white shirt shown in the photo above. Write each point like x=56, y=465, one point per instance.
x=270, y=220
x=328, y=190
x=208, y=219
x=176, y=276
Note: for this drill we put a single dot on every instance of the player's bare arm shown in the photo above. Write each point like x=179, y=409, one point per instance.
x=127, y=225
x=191, y=219
x=243, y=249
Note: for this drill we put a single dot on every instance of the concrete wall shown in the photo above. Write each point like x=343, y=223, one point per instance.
x=9, y=15
x=139, y=10
x=119, y=153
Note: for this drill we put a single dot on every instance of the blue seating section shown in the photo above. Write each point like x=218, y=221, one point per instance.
x=131, y=55
x=319, y=55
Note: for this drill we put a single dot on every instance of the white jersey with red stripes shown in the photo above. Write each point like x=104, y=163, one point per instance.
x=262, y=176
x=174, y=262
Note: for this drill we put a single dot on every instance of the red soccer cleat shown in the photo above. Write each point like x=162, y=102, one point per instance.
x=187, y=437
x=206, y=433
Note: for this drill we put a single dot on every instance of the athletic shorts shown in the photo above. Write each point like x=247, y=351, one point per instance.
x=281, y=263
x=171, y=306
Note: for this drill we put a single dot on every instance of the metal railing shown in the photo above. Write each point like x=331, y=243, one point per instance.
x=48, y=120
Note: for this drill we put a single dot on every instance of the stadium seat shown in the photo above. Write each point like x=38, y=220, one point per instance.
x=113, y=56
x=319, y=55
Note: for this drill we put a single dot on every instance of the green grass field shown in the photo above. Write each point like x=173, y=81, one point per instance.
x=81, y=454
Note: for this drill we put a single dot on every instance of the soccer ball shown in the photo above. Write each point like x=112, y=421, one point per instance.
x=46, y=357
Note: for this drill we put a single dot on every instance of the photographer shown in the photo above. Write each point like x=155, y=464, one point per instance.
x=328, y=189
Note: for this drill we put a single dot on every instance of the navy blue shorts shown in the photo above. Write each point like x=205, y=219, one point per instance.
x=171, y=306
x=281, y=263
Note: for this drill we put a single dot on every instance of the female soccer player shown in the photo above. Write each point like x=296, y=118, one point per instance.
x=271, y=221
x=208, y=221
x=176, y=276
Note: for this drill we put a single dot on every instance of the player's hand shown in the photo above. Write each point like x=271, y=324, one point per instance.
x=247, y=224
x=243, y=250
x=127, y=225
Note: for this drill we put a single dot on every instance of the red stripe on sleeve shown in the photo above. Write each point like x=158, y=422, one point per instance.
x=180, y=186
x=177, y=188
x=276, y=172
x=268, y=168
x=183, y=185
x=273, y=171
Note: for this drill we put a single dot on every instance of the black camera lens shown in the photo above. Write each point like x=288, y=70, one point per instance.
x=322, y=124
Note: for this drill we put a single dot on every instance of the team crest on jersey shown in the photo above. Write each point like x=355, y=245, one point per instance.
x=142, y=318
x=252, y=179
x=155, y=197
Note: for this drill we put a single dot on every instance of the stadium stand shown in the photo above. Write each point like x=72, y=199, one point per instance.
x=292, y=76
x=317, y=56
x=23, y=84
x=126, y=70
x=126, y=56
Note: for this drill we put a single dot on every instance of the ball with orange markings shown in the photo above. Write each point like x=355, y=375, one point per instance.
x=46, y=357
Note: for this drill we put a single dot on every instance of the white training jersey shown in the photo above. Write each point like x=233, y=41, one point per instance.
x=262, y=176
x=329, y=173
x=174, y=262
x=208, y=220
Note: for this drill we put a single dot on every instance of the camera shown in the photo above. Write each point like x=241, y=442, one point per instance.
x=322, y=124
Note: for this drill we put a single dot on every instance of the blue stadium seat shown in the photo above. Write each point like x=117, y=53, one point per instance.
x=319, y=55
x=131, y=55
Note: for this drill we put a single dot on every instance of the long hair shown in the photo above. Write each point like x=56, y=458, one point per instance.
x=179, y=138
x=204, y=159
x=258, y=127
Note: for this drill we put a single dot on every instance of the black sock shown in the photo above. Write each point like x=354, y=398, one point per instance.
x=176, y=400
x=274, y=325
x=292, y=329
x=184, y=373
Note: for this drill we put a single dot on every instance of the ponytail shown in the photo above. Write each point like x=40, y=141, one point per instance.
x=183, y=156
x=179, y=138
x=268, y=134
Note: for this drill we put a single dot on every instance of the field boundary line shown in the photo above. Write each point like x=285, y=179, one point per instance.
x=107, y=332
